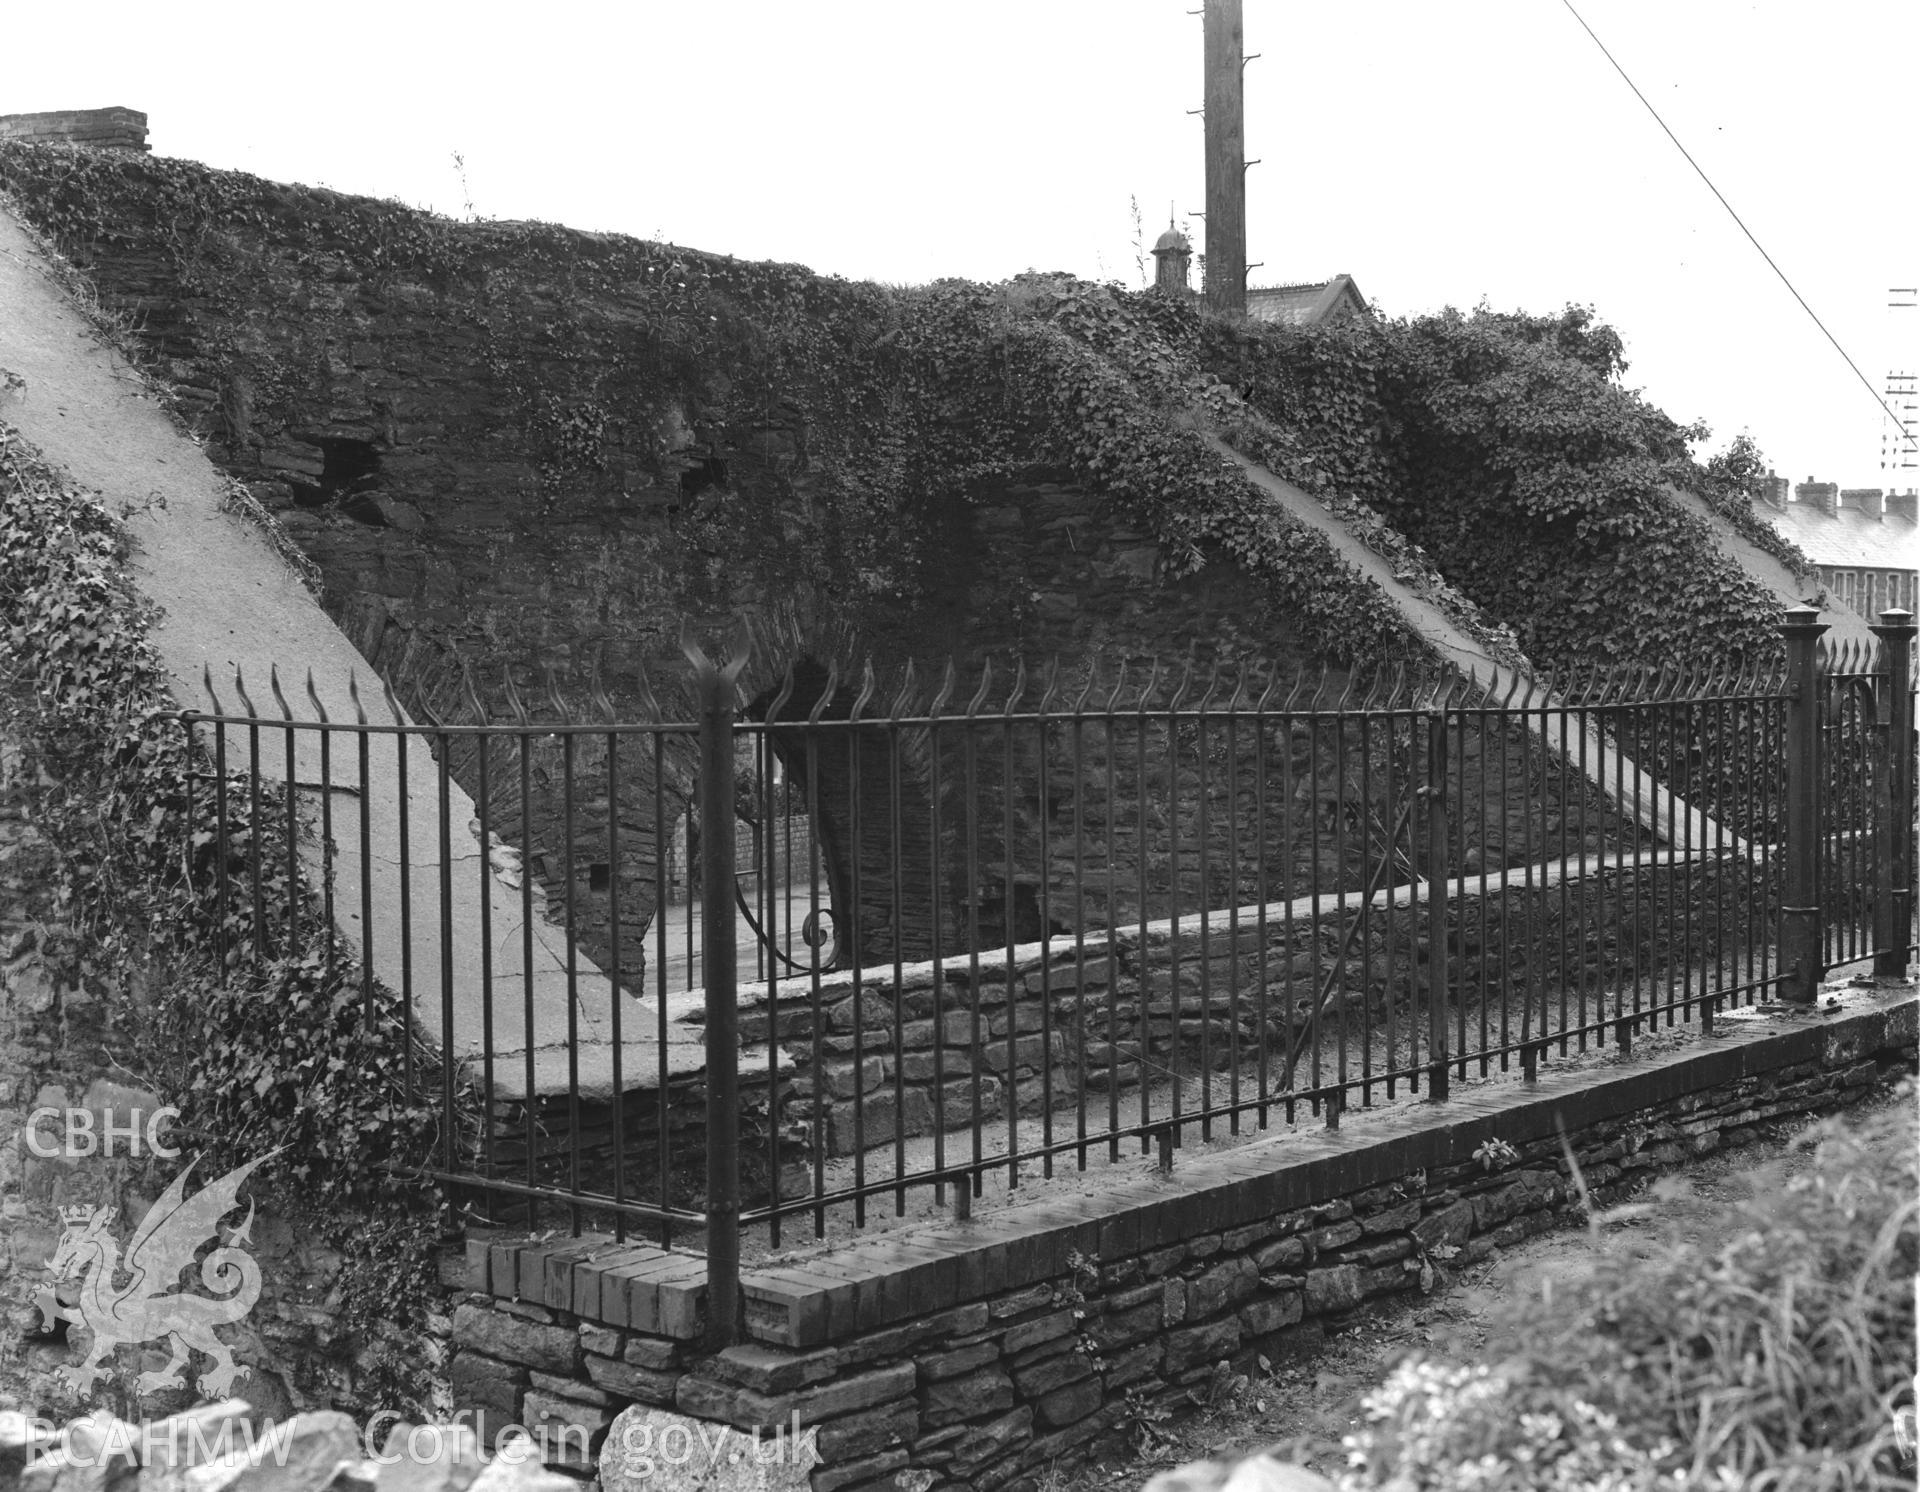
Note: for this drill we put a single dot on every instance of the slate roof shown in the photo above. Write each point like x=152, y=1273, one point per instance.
x=1306, y=305
x=1848, y=539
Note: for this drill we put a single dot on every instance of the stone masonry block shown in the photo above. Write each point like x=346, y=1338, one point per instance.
x=556, y=1349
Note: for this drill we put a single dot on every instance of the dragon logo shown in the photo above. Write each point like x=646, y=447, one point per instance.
x=147, y=1308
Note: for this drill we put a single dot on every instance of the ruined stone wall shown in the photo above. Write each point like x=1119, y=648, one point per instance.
x=536, y=452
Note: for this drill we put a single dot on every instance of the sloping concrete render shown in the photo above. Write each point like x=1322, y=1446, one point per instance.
x=230, y=607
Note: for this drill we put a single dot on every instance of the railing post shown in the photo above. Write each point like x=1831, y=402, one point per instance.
x=1893, y=908
x=1438, y=861
x=1800, y=938
x=715, y=686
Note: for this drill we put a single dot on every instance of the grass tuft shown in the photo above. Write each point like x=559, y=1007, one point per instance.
x=1774, y=1351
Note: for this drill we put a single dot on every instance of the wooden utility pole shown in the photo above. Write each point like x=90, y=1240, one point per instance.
x=1226, y=282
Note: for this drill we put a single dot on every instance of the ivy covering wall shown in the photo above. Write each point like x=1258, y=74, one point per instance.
x=252, y=1028
x=1508, y=447
x=583, y=437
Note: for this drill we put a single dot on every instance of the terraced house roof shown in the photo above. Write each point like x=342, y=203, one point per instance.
x=1857, y=529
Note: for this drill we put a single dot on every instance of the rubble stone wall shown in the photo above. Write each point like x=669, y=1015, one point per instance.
x=945, y=1046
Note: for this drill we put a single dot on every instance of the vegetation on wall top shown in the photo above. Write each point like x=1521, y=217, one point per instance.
x=1495, y=459
x=1507, y=448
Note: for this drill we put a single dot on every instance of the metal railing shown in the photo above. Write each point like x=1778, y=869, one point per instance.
x=1047, y=920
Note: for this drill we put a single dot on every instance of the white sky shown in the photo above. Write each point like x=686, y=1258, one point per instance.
x=1440, y=151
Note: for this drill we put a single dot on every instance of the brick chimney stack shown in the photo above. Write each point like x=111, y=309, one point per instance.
x=1773, y=491
x=1904, y=505
x=1862, y=499
x=1822, y=495
x=111, y=129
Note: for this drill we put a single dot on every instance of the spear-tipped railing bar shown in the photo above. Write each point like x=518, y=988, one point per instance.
x=896, y=887
x=1293, y=690
x=255, y=840
x=597, y=690
x=716, y=684
x=643, y=693
x=443, y=783
x=970, y=769
x=328, y=931
x=857, y=924
x=1894, y=809
x=365, y=780
x=220, y=840
x=936, y=838
x=550, y=681
x=405, y=799
x=1049, y=690
x=515, y=703
x=293, y=809
x=1270, y=672
x=1204, y=836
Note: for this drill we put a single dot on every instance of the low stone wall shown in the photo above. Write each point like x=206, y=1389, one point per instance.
x=931, y=1046
x=123, y=129
x=986, y=1351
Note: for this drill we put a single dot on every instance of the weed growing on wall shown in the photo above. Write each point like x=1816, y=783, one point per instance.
x=256, y=1032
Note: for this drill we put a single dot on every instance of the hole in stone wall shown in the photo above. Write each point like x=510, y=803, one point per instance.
x=348, y=469
x=697, y=479
x=599, y=876
x=345, y=464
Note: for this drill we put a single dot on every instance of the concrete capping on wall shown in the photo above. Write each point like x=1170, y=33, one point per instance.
x=1242, y=921
x=124, y=129
x=954, y=1344
x=1065, y=1017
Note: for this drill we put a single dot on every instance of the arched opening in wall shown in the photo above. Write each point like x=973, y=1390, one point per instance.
x=929, y=831
x=864, y=788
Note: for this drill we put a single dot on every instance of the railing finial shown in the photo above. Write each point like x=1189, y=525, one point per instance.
x=597, y=688
x=514, y=702
x=314, y=695
x=948, y=679
x=273, y=683
x=472, y=690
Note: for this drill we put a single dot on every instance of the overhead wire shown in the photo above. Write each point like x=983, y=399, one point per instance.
x=1865, y=383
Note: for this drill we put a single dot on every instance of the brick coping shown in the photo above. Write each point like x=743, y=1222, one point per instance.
x=877, y=1280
